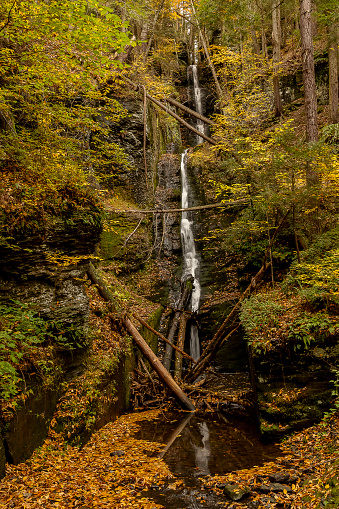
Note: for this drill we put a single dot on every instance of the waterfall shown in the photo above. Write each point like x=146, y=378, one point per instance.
x=191, y=262
x=197, y=99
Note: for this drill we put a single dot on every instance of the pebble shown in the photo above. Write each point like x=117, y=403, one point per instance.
x=117, y=453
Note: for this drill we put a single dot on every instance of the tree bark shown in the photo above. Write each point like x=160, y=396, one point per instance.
x=179, y=119
x=312, y=133
x=161, y=336
x=181, y=343
x=276, y=43
x=166, y=378
x=189, y=111
x=255, y=44
x=101, y=286
x=186, y=290
x=333, y=74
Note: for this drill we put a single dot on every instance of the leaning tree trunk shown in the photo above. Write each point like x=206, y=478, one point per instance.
x=186, y=290
x=164, y=376
x=181, y=344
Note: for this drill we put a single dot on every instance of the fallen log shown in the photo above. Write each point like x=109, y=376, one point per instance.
x=186, y=290
x=164, y=375
x=161, y=336
x=170, y=112
x=213, y=346
x=188, y=110
x=236, y=203
x=105, y=293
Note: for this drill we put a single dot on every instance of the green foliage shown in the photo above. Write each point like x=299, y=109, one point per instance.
x=56, y=59
x=28, y=344
x=271, y=320
x=335, y=393
x=330, y=135
x=21, y=335
x=307, y=329
x=316, y=278
x=260, y=313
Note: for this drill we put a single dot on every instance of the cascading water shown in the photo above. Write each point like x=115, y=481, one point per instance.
x=191, y=262
x=197, y=99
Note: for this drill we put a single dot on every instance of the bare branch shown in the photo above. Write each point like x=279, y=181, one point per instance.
x=8, y=17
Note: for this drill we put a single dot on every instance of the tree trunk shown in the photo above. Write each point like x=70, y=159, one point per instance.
x=174, y=115
x=255, y=44
x=189, y=111
x=166, y=378
x=308, y=71
x=312, y=133
x=263, y=34
x=276, y=43
x=181, y=343
x=101, y=286
x=186, y=290
x=151, y=32
x=161, y=336
x=333, y=74
x=243, y=202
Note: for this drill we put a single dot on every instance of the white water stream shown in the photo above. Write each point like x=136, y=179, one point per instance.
x=191, y=262
x=197, y=100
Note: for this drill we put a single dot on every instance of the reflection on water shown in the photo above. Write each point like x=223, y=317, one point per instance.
x=200, y=446
x=202, y=454
x=207, y=445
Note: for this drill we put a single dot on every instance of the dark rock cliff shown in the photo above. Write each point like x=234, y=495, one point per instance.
x=29, y=273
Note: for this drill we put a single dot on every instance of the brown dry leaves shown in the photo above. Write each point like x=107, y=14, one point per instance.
x=61, y=476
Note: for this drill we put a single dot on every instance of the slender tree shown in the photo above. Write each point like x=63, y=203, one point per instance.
x=312, y=133
x=276, y=43
x=333, y=74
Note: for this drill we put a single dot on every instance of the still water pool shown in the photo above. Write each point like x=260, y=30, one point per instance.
x=203, y=445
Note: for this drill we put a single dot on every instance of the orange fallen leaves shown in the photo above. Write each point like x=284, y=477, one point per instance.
x=61, y=476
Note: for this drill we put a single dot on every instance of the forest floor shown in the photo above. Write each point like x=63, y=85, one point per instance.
x=114, y=469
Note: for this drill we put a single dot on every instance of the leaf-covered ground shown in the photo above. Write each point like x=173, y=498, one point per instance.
x=110, y=471
x=114, y=469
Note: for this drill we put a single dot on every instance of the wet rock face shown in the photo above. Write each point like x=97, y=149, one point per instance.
x=2, y=459
x=167, y=196
x=128, y=133
x=30, y=274
x=56, y=290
